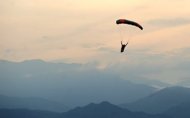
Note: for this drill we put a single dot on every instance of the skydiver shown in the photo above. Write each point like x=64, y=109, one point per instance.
x=123, y=46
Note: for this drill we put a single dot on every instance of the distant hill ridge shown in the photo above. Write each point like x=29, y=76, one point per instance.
x=70, y=84
x=161, y=101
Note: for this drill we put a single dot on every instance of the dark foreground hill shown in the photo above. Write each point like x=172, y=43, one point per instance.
x=25, y=113
x=102, y=110
x=31, y=103
x=161, y=101
x=106, y=110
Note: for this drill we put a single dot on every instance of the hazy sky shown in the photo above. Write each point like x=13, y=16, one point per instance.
x=84, y=31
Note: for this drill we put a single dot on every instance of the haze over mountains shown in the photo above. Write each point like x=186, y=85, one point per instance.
x=70, y=84
x=38, y=89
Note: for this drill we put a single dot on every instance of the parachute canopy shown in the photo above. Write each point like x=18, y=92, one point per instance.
x=124, y=21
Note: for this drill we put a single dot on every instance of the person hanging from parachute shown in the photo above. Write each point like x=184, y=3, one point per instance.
x=128, y=22
x=123, y=46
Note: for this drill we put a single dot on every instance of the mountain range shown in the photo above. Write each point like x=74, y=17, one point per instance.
x=43, y=90
x=171, y=102
x=92, y=110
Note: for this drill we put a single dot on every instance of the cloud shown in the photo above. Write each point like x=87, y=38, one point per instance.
x=174, y=22
x=168, y=67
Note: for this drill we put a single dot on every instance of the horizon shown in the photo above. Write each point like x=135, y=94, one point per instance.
x=93, y=68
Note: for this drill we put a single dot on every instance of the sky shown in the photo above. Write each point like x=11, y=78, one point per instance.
x=84, y=31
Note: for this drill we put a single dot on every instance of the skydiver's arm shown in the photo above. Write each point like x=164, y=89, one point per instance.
x=121, y=43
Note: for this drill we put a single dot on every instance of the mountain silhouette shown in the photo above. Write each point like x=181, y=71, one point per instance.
x=25, y=113
x=161, y=101
x=106, y=110
x=101, y=110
